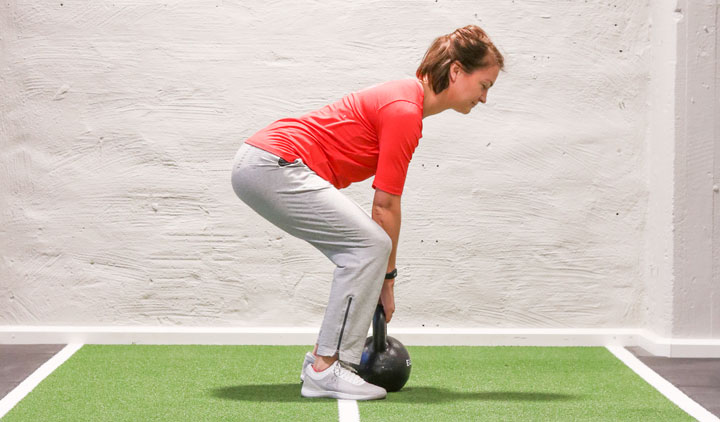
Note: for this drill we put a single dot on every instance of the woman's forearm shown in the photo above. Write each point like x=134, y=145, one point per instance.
x=388, y=217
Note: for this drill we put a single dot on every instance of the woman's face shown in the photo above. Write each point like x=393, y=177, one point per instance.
x=468, y=89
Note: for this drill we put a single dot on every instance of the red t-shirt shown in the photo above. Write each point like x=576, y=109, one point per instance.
x=372, y=131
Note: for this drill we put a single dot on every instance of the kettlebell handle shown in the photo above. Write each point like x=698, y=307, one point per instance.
x=379, y=330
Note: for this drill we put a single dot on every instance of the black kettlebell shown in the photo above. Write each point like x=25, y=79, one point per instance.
x=385, y=361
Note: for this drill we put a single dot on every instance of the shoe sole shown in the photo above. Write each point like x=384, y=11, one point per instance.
x=338, y=395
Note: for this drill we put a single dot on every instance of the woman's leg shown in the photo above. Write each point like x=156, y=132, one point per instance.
x=323, y=362
x=297, y=200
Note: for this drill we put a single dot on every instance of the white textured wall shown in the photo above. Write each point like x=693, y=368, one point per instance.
x=696, y=307
x=683, y=220
x=659, y=230
x=120, y=119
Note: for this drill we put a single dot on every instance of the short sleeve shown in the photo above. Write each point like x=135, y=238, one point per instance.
x=399, y=131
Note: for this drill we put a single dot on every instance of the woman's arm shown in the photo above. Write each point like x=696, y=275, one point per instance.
x=386, y=212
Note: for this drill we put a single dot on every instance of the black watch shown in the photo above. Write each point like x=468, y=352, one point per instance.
x=392, y=274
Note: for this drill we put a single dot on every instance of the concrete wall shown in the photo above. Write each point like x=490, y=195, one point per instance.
x=683, y=229
x=659, y=269
x=120, y=119
x=696, y=307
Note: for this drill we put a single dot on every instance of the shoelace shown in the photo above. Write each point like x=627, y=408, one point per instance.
x=341, y=370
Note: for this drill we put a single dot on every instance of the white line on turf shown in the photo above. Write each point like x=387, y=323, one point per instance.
x=348, y=411
x=663, y=386
x=25, y=387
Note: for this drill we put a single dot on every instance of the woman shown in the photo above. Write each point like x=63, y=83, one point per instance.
x=291, y=171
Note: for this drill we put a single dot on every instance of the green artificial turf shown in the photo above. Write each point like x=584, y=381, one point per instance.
x=175, y=383
x=261, y=383
x=522, y=384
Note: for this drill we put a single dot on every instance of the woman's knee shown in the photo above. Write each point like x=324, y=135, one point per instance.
x=382, y=243
x=236, y=179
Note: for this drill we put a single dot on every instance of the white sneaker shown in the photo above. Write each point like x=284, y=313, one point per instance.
x=339, y=381
x=309, y=360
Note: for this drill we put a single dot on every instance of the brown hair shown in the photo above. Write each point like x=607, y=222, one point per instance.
x=469, y=45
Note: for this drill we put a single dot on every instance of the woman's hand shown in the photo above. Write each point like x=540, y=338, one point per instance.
x=387, y=299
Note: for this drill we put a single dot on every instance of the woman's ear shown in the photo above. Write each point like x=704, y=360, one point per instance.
x=454, y=70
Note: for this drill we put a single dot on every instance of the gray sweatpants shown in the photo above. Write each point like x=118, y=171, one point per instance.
x=297, y=200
